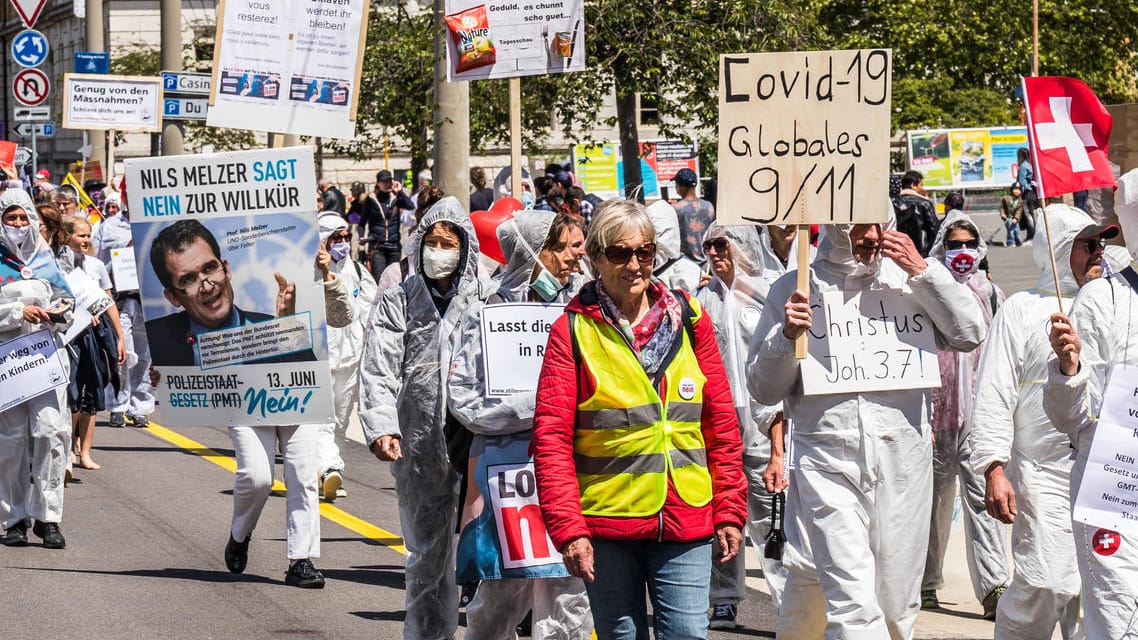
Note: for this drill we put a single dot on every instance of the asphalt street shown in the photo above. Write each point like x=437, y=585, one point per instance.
x=145, y=537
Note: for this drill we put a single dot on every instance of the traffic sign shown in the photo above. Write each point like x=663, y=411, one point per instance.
x=194, y=84
x=184, y=108
x=32, y=114
x=29, y=10
x=31, y=87
x=43, y=130
x=92, y=62
x=29, y=48
x=23, y=156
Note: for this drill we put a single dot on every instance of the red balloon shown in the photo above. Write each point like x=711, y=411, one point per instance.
x=486, y=226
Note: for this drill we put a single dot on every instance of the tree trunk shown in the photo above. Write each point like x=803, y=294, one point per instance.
x=629, y=145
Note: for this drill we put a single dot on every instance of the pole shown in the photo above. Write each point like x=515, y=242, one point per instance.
x=35, y=155
x=97, y=43
x=452, y=121
x=803, y=281
x=516, y=137
x=1034, y=38
x=110, y=170
x=172, y=132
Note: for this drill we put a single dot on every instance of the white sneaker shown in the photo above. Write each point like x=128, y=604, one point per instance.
x=330, y=482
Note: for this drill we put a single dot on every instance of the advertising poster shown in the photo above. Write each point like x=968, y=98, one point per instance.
x=804, y=136
x=601, y=170
x=967, y=158
x=234, y=306
x=511, y=38
x=971, y=156
x=288, y=66
x=596, y=168
x=1005, y=143
x=123, y=103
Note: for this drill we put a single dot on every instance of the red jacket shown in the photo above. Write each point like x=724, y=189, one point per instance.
x=561, y=387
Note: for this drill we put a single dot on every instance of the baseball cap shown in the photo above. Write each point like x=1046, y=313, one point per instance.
x=1104, y=231
x=686, y=178
x=43, y=174
x=383, y=174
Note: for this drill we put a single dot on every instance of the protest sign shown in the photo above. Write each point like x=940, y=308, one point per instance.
x=124, y=103
x=513, y=344
x=876, y=340
x=124, y=271
x=513, y=38
x=29, y=366
x=90, y=302
x=288, y=66
x=1108, y=493
x=804, y=137
x=228, y=233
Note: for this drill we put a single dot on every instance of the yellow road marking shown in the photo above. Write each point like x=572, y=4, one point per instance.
x=329, y=511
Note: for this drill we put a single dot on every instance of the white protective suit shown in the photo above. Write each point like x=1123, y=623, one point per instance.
x=987, y=558
x=1009, y=427
x=734, y=311
x=861, y=461
x=560, y=605
x=403, y=393
x=1105, y=315
x=136, y=396
x=345, y=346
x=676, y=270
x=37, y=432
x=772, y=266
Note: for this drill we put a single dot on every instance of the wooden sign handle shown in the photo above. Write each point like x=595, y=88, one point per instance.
x=803, y=281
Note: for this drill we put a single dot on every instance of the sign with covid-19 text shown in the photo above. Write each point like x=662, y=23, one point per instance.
x=804, y=137
x=225, y=247
x=1108, y=493
x=877, y=340
x=123, y=103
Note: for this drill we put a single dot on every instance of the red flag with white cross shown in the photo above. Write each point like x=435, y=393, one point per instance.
x=1068, y=129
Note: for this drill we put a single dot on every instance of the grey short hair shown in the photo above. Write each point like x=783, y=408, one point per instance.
x=611, y=220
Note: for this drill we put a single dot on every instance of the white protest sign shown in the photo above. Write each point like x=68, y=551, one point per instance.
x=1108, y=494
x=804, y=137
x=289, y=66
x=229, y=351
x=522, y=535
x=124, y=103
x=91, y=301
x=528, y=38
x=877, y=340
x=124, y=272
x=29, y=366
x=513, y=345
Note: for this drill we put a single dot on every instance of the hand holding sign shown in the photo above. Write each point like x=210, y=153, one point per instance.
x=798, y=315
x=1065, y=343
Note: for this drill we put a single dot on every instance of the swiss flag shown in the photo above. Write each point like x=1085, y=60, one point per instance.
x=1068, y=130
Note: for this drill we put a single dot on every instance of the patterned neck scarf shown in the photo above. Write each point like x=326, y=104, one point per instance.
x=651, y=340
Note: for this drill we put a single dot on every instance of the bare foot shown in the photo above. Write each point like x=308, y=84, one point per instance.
x=87, y=463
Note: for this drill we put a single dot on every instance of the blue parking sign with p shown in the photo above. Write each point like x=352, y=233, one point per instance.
x=169, y=83
x=173, y=106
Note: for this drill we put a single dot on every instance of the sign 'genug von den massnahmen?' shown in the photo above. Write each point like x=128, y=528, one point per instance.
x=804, y=137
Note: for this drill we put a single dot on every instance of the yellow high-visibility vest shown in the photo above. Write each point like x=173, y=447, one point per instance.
x=627, y=441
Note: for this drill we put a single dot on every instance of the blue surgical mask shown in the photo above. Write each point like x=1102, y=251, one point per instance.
x=339, y=250
x=546, y=286
x=527, y=199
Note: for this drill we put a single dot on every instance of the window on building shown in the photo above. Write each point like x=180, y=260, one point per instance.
x=649, y=110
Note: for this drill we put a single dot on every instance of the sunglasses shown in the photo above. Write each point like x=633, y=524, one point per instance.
x=1092, y=244
x=960, y=244
x=617, y=254
x=340, y=237
x=719, y=244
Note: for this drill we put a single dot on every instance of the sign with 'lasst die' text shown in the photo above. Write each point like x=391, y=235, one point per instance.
x=804, y=137
x=513, y=345
x=877, y=340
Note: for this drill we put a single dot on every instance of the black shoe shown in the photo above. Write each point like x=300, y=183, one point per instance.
x=52, y=536
x=117, y=420
x=16, y=535
x=237, y=554
x=138, y=421
x=302, y=574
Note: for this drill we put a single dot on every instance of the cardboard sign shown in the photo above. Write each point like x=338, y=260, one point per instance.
x=288, y=66
x=228, y=353
x=123, y=103
x=513, y=345
x=1108, y=494
x=522, y=537
x=29, y=366
x=877, y=340
x=804, y=137
x=124, y=271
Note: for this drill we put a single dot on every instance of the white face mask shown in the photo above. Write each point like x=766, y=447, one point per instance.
x=17, y=235
x=439, y=263
x=339, y=250
x=962, y=261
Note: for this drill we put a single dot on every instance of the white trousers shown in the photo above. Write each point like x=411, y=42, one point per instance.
x=984, y=535
x=255, y=449
x=345, y=395
x=560, y=609
x=729, y=581
x=855, y=545
x=34, y=434
x=135, y=396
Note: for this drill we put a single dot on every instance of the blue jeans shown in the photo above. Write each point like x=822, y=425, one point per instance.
x=1013, y=232
x=677, y=575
